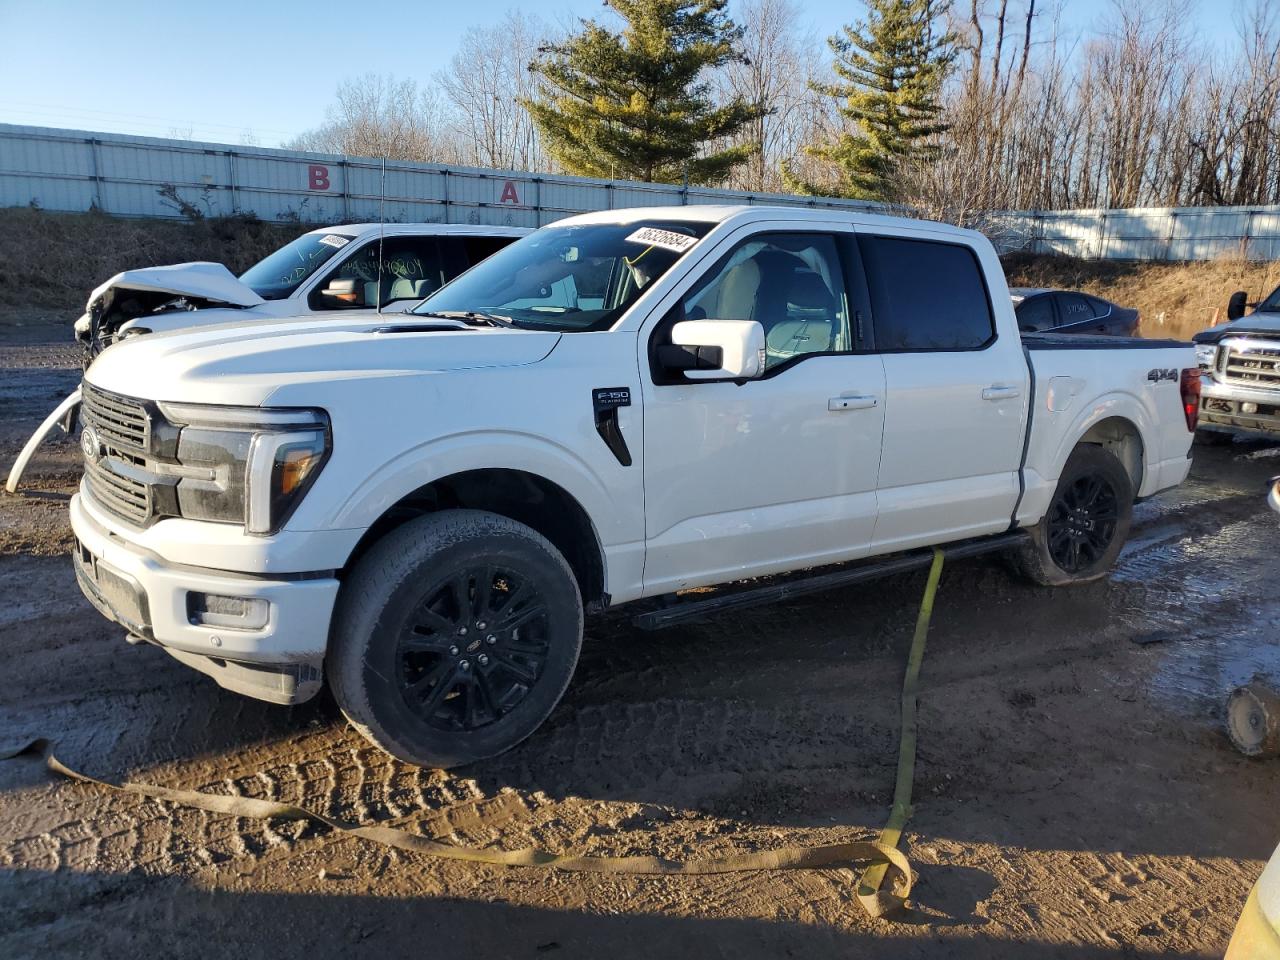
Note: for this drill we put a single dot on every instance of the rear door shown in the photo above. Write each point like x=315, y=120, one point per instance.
x=956, y=394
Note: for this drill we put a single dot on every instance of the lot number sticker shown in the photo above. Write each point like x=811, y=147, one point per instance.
x=333, y=240
x=666, y=239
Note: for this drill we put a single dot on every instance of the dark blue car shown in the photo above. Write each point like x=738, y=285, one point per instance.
x=1066, y=311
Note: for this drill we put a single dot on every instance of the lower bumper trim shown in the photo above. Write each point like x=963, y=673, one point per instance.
x=284, y=683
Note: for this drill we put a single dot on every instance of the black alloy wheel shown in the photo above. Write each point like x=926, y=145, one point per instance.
x=475, y=648
x=1082, y=522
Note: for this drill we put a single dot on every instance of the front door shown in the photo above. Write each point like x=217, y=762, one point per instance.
x=746, y=479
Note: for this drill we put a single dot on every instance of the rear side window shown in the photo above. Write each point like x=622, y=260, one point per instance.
x=926, y=295
x=1075, y=308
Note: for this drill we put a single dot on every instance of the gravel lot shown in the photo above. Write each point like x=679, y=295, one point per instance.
x=1076, y=796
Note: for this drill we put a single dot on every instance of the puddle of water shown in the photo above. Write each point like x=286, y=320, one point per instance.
x=1214, y=597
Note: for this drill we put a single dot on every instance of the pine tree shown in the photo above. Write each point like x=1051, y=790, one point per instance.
x=891, y=67
x=637, y=104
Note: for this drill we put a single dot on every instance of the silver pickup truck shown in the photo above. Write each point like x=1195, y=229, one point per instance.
x=1240, y=379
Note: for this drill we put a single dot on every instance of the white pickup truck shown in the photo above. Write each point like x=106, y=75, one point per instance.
x=622, y=405
x=1240, y=360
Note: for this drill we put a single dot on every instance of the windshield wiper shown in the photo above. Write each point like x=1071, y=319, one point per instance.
x=471, y=316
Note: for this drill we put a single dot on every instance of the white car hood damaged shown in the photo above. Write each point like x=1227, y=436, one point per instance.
x=208, y=281
x=245, y=365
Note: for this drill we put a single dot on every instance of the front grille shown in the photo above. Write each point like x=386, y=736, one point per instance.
x=117, y=447
x=125, y=497
x=1254, y=364
x=118, y=421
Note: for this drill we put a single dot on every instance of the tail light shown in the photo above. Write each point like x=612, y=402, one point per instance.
x=1190, y=384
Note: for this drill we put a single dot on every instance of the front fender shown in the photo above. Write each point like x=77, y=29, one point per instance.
x=441, y=457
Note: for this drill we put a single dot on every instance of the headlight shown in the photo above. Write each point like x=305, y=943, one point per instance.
x=1206, y=353
x=245, y=464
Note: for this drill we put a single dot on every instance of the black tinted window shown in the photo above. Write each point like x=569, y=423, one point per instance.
x=1074, y=308
x=480, y=248
x=1035, y=314
x=926, y=295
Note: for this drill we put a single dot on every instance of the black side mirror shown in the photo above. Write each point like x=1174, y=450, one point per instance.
x=1236, y=305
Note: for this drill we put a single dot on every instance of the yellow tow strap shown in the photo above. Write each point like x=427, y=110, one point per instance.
x=873, y=876
x=882, y=854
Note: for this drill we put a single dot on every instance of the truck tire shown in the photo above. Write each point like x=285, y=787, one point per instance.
x=454, y=637
x=1087, y=523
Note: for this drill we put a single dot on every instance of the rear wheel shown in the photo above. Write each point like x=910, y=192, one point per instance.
x=1080, y=535
x=454, y=637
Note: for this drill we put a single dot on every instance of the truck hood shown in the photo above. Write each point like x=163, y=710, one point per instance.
x=208, y=281
x=245, y=364
x=1265, y=324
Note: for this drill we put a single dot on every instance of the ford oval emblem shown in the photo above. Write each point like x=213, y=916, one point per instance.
x=90, y=445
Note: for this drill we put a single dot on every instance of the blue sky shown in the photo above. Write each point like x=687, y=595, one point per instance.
x=220, y=70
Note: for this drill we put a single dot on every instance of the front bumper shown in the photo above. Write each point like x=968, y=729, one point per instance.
x=1221, y=408
x=148, y=596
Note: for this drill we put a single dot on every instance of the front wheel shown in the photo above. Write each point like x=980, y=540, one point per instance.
x=1080, y=535
x=454, y=637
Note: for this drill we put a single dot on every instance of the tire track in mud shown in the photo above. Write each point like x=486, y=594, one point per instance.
x=618, y=762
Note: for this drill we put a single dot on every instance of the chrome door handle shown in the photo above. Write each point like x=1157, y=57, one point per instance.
x=1000, y=393
x=852, y=403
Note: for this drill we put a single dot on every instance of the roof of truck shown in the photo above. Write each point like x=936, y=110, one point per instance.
x=718, y=213
x=425, y=229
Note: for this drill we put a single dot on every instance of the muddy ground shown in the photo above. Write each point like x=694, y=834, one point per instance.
x=1076, y=796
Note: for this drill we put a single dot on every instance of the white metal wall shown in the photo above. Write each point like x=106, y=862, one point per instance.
x=74, y=170
x=1152, y=233
x=128, y=176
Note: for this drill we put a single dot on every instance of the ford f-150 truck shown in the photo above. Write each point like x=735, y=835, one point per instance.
x=420, y=509
x=1240, y=360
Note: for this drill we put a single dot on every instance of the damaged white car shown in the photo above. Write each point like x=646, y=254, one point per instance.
x=328, y=271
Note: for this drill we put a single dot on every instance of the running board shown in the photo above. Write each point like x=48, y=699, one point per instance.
x=684, y=611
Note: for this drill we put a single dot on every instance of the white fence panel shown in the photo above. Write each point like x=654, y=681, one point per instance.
x=76, y=170
x=1155, y=233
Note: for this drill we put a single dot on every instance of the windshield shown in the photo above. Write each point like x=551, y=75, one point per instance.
x=280, y=273
x=570, y=278
x=1271, y=304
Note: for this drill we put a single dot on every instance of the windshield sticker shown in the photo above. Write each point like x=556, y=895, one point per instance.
x=333, y=240
x=666, y=239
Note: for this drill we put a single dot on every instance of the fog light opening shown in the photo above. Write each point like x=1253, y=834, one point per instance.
x=1247, y=407
x=236, y=613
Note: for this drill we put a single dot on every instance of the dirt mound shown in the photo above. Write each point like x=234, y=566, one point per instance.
x=52, y=260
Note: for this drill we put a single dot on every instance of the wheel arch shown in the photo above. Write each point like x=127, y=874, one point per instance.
x=1120, y=437
x=520, y=495
x=1119, y=422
